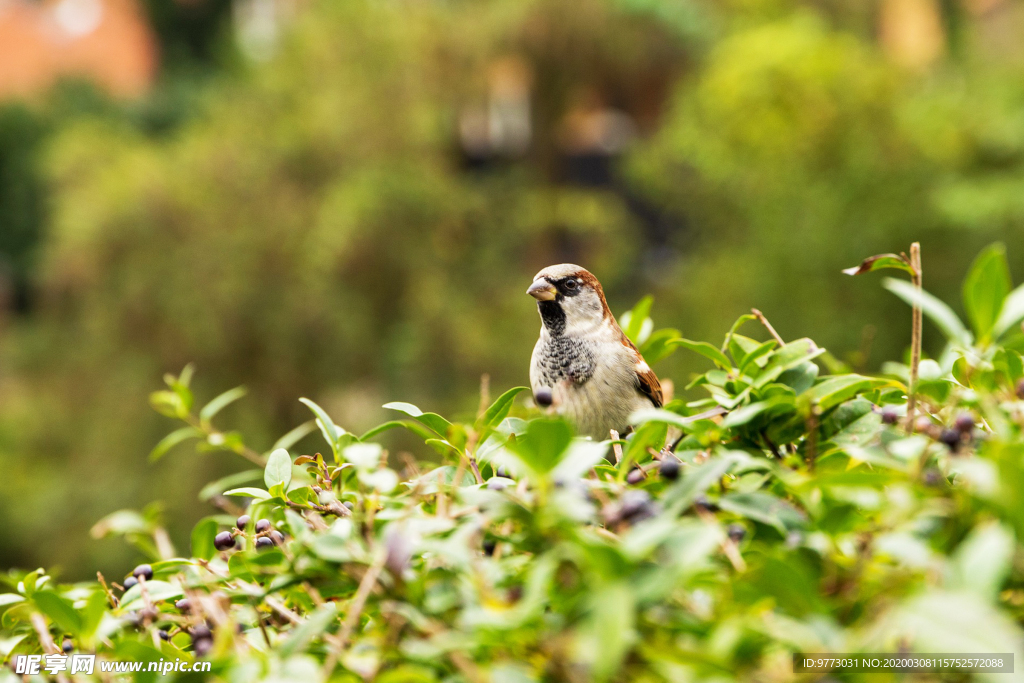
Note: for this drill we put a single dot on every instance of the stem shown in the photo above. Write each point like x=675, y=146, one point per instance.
x=764, y=321
x=915, y=335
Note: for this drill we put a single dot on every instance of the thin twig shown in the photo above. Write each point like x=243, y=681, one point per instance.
x=616, y=448
x=355, y=611
x=764, y=321
x=915, y=336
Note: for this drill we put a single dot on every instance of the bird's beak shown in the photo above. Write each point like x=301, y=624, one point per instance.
x=542, y=290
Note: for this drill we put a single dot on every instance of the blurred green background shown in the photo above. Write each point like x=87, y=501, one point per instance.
x=347, y=200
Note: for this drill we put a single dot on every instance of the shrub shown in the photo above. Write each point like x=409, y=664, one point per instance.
x=806, y=513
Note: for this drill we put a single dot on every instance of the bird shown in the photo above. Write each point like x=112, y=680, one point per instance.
x=583, y=366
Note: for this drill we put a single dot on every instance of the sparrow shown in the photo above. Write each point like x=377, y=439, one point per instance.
x=583, y=364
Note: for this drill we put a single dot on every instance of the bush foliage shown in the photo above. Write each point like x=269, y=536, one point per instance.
x=798, y=507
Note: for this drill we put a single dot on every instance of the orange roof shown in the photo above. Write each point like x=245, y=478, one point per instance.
x=105, y=41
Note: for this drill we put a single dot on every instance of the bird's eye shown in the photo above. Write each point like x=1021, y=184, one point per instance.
x=571, y=284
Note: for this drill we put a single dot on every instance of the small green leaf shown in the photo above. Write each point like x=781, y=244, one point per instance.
x=835, y=390
x=1011, y=313
x=330, y=430
x=414, y=427
x=431, y=420
x=278, y=470
x=295, y=435
x=219, y=403
x=202, y=537
x=986, y=287
x=499, y=409
x=60, y=610
x=941, y=314
x=872, y=263
x=218, y=487
x=302, y=635
x=704, y=349
x=542, y=446
x=258, y=494
x=172, y=440
x=634, y=319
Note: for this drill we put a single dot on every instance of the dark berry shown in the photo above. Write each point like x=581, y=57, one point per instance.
x=67, y=646
x=243, y=522
x=669, y=468
x=890, y=416
x=489, y=546
x=704, y=504
x=164, y=635
x=224, y=541
x=200, y=632
x=264, y=542
x=543, y=397
x=130, y=581
x=736, y=532
x=202, y=646
x=1020, y=389
x=143, y=571
x=636, y=505
x=932, y=477
x=951, y=438
x=923, y=425
x=183, y=605
x=262, y=525
x=635, y=476
x=276, y=536
x=495, y=484
x=349, y=504
x=964, y=423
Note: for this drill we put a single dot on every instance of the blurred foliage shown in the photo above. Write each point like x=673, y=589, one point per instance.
x=814, y=510
x=309, y=225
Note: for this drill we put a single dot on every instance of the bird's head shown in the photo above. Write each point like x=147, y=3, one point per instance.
x=569, y=298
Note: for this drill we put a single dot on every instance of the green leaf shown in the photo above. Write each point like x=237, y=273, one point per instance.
x=120, y=522
x=939, y=313
x=202, y=537
x=330, y=430
x=60, y=610
x=634, y=319
x=873, y=263
x=172, y=440
x=704, y=349
x=157, y=590
x=295, y=435
x=787, y=357
x=218, y=487
x=697, y=481
x=764, y=508
x=258, y=494
x=431, y=420
x=1011, y=313
x=414, y=427
x=302, y=635
x=742, y=416
x=982, y=561
x=985, y=288
x=219, y=403
x=543, y=444
x=758, y=352
x=499, y=409
x=278, y=470
x=835, y=390
x=656, y=347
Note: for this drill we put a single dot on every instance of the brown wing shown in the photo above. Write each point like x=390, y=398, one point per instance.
x=646, y=381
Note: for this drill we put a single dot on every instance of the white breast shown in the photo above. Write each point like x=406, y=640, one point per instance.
x=607, y=398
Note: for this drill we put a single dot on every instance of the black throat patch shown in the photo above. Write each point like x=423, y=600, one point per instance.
x=553, y=317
